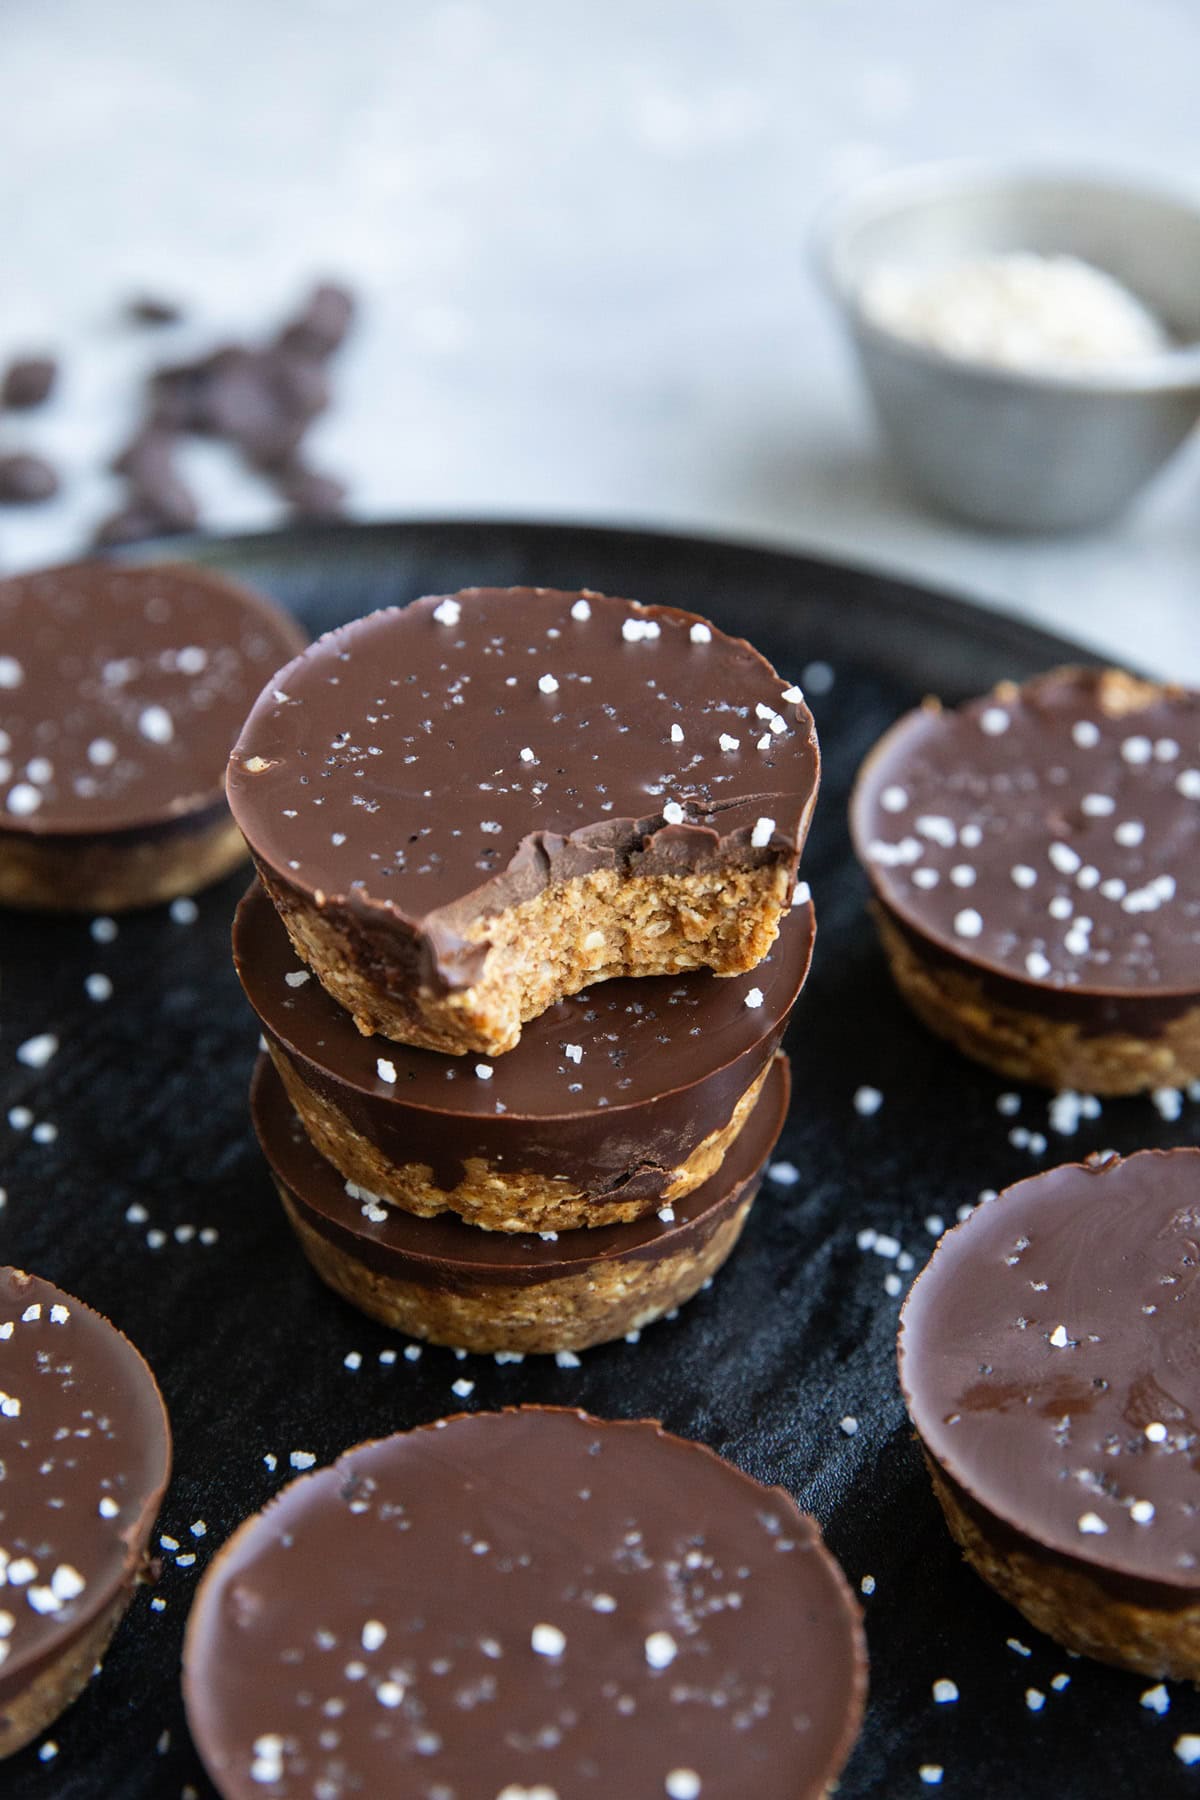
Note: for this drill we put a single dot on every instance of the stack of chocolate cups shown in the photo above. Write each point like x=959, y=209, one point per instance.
x=524, y=943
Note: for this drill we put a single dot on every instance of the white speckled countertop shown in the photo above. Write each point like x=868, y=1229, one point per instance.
x=579, y=233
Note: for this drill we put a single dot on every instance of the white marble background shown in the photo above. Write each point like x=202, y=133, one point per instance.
x=579, y=228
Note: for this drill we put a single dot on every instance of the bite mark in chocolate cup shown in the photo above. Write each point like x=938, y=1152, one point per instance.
x=466, y=808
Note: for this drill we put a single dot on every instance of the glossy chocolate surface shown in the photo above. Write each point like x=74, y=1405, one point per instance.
x=437, y=763
x=85, y=1455
x=1050, y=1357
x=612, y=1088
x=446, y=1252
x=121, y=691
x=524, y=1604
x=1045, y=837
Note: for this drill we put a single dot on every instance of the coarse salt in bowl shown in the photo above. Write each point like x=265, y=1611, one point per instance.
x=1031, y=341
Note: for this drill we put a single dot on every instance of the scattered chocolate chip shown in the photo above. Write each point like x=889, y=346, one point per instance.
x=260, y=400
x=28, y=381
x=155, y=487
x=266, y=403
x=25, y=480
x=148, y=309
x=321, y=326
x=150, y=446
x=169, y=498
x=312, y=495
x=132, y=525
x=176, y=396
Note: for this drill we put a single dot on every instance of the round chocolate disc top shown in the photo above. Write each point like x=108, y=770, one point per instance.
x=482, y=744
x=446, y=1252
x=616, y=1045
x=1050, y=833
x=521, y=1605
x=1050, y=1357
x=121, y=691
x=85, y=1454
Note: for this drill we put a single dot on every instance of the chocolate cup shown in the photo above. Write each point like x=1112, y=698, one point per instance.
x=449, y=1282
x=122, y=689
x=1047, y=1333
x=57, y=1366
x=451, y=1591
x=656, y=1068
x=1115, y=1008
x=457, y=845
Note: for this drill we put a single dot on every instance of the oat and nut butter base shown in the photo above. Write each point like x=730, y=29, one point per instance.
x=524, y=1604
x=121, y=691
x=85, y=1457
x=1047, y=839
x=1049, y=1359
x=419, y=775
x=606, y=1094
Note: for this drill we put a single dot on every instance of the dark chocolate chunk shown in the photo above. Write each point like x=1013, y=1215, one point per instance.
x=26, y=480
x=148, y=450
x=136, y=523
x=150, y=309
x=156, y=492
x=1048, y=1357
x=178, y=394
x=312, y=495
x=517, y=1605
x=260, y=400
x=28, y=382
x=322, y=323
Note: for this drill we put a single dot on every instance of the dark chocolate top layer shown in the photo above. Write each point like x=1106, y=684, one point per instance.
x=446, y=1252
x=121, y=691
x=624, y=1077
x=1049, y=833
x=85, y=1455
x=447, y=759
x=520, y=1605
x=1050, y=1357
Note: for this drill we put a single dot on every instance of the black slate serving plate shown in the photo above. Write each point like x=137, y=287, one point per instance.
x=148, y=1095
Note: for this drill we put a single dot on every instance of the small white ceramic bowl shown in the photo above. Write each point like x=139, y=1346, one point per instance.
x=1037, y=450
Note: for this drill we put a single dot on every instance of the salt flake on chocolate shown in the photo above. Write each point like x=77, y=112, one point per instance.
x=156, y=725
x=547, y=1640
x=23, y=799
x=661, y=1649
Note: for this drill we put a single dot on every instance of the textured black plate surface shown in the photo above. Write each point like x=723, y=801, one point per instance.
x=148, y=1094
